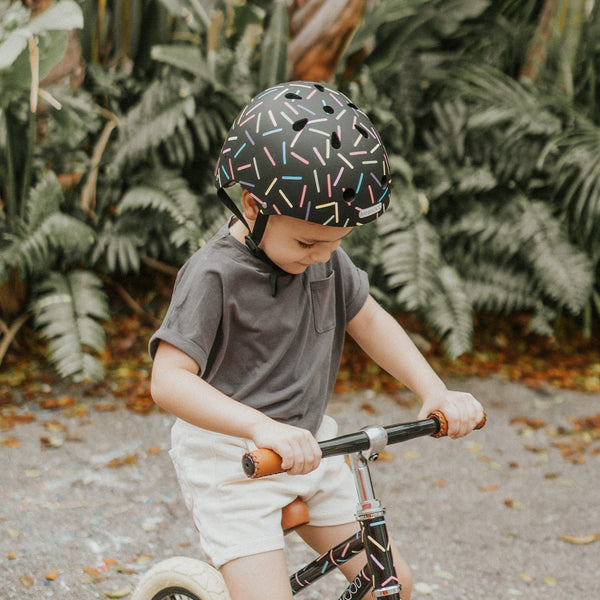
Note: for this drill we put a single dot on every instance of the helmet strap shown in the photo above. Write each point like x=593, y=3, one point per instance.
x=254, y=237
x=232, y=206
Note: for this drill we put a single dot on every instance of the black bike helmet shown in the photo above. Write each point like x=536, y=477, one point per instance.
x=304, y=150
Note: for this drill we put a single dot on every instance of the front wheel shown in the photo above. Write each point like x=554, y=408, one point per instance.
x=181, y=578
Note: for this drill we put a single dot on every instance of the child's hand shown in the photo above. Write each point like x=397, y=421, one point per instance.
x=461, y=409
x=299, y=450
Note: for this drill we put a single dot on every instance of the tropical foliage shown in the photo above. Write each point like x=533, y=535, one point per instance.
x=488, y=110
x=507, y=166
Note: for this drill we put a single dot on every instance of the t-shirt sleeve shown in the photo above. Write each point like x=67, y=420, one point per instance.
x=194, y=313
x=355, y=283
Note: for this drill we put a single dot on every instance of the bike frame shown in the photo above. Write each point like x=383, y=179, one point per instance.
x=379, y=573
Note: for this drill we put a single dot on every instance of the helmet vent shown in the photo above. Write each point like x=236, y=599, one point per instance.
x=349, y=194
x=361, y=130
x=292, y=96
x=319, y=87
x=353, y=106
x=328, y=109
x=335, y=140
x=300, y=124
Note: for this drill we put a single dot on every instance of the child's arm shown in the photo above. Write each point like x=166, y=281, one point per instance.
x=386, y=342
x=177, y=388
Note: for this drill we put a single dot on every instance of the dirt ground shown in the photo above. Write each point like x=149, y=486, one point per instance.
x=88, y=503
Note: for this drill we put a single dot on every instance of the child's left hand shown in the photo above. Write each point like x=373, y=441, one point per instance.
x=461, y=409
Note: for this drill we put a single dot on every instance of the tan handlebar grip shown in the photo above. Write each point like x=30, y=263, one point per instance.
x=482, y=422
x=261, y=462
x=441, y=418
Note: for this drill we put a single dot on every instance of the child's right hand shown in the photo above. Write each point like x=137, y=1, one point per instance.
x=298, y=448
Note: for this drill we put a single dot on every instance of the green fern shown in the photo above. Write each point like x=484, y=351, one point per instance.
x=523, y=234
x=577, y=183
x=449, y=312
x=162, y=113
x=497, y=288
x=66, y=308
x=45, y=234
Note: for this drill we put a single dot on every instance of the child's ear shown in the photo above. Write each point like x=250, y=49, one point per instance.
x=249, y=206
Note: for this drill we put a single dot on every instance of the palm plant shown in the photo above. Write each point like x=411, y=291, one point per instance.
x=41, y=242
x=507, y=169
x=161, y=203
x=145, y=190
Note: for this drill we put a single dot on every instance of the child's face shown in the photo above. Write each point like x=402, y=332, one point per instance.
x=293, y=244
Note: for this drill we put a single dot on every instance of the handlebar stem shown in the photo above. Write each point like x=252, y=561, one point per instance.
x=362, y=478
x=378, y=440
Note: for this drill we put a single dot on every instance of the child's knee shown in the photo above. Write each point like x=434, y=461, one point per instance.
x=404, y=575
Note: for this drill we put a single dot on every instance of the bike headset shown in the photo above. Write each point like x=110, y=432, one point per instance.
x=304, y=150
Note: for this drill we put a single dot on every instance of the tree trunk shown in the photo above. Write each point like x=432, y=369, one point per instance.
x=558, y=35
x=319, y=33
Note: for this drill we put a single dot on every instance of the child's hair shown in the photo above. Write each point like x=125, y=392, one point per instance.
x=304, y=150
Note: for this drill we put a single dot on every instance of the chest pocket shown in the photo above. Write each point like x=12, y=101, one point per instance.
x=323, y=303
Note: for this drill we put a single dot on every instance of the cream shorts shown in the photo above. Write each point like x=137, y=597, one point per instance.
x=237, y=516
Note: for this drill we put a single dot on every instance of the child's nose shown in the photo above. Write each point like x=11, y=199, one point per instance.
x=322, y=253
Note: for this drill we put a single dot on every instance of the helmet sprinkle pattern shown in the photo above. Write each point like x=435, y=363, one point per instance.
x=304, y=150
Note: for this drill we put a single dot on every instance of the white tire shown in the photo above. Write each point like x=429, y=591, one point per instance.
x=181, y=578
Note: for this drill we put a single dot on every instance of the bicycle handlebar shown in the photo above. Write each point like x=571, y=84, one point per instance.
x=263, y=461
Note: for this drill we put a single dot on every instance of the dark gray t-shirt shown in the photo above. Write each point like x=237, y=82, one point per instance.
x=277, y=354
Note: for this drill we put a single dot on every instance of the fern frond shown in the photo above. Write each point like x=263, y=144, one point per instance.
x=119, y=249
x=164, y=110
x=66, y=309
x=526, y=235
x=565, y=274
x=411, y=260
x=576, y=177
x=496, y=288
x=449, y=312
x=46, y=233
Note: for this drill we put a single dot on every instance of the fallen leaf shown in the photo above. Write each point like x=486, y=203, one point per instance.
x=587, y=539
x=157, y=450
x=473, y=446
x=60, y=402
x=128, y=459
x=514, y=504
x=105, y=407
x=550, y=581
x=514, y=592
x=490, y=488
x=54, y=425
x=443, y=574
x=119, y=593
x=26, y=580
x=51, y=442
x=526, y=577
x=52, y=575
x=423, y=588
x=386, y=456
x=10, y=442
x=533, y=423
x=11, y=555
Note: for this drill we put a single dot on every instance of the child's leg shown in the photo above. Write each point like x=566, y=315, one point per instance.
x=258, y=577
x=322, y=539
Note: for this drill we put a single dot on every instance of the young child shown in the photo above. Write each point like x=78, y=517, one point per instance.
x=249, y=349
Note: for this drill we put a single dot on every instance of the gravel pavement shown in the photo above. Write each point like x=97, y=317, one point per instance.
x=88, y=503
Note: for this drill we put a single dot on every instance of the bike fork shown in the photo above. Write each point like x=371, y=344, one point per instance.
x=371, y=516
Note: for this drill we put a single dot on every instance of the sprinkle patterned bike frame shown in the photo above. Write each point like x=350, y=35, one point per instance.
x=378, y=575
